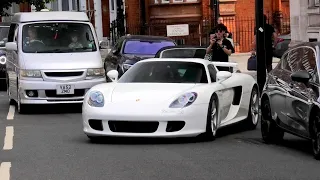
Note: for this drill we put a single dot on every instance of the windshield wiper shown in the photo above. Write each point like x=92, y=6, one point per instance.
x=54, y=51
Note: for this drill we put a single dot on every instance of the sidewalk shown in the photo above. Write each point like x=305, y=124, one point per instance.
x=242, y=59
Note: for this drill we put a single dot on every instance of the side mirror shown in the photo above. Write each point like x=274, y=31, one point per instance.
x=223, y=75
x=301, y=76
x=113, y=75
x=11, y=46
x=103, y=45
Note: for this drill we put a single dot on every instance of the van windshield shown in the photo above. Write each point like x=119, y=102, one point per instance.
x=57, y=38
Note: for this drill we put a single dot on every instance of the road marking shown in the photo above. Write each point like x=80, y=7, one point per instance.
x=5, y=170
x=8, y=140
x=10, y=115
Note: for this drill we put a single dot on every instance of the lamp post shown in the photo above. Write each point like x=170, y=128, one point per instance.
x=215, y=8
x=260, y=45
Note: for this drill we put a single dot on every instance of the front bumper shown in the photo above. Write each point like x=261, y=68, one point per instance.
x=144, y=121
x=46, y=91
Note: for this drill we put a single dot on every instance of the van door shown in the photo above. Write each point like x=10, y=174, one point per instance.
x=13, y=62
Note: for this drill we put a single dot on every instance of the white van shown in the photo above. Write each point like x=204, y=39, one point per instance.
x=52, y=57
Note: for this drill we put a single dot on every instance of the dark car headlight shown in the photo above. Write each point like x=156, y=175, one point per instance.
x=3, y=60
x=126, y=66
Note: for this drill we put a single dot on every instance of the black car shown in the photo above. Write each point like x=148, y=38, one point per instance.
x=132, y=48
x=290, y=100
x=4, y=30
x=183, y=51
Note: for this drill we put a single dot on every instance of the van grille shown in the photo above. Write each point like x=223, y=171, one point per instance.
x=64, y=74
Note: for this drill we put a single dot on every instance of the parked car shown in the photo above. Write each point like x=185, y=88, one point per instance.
x=290, y=100
x=130, y=49
x=4, y=31
x=52, y=58
x=183, y=51
x=170, y=97
x=282, y=45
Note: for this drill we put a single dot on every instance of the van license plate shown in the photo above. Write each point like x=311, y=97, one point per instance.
x=65, y=89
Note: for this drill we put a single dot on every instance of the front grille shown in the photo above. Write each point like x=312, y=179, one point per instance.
x=133, y=126
x=63, y=74
x=77, y=93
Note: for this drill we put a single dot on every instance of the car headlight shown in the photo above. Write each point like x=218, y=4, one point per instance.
x=96, y=99
x=96, y=72
x=126, y=66
x=30, y=73
x=184, y=100
x=3, y=60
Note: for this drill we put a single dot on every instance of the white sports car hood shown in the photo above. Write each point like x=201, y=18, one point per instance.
x=153, y=93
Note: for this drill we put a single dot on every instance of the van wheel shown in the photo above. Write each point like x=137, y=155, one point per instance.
x=22, y=108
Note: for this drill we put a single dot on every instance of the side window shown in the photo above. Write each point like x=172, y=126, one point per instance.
x=212, y=72
x=16, y=34
x=12, y=32
x=284, y=64
x=302, y=58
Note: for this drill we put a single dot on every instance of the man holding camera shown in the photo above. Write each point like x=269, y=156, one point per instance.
x=220, y=48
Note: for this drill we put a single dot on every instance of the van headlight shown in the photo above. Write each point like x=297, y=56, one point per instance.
x=96, y=72
x=96, y=99
x=184, y=100
x=3, y=60
x=30, y=73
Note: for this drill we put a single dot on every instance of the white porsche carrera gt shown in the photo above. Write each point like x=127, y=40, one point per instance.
x=170, y=97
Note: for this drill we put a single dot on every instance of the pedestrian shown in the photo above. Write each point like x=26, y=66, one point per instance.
x=227, y=34
x=270, y=36
x=220, y=48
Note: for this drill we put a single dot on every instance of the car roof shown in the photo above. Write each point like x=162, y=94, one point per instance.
x=147, y=37
x=194, y=60
x=179, y=47
x=49, y=16
x=309, y=44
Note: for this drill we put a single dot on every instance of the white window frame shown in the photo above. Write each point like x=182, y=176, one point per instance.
x=165, y=1
x=177, y=1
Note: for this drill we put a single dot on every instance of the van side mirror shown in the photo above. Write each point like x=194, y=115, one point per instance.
x=11, y=46
x=103, y=44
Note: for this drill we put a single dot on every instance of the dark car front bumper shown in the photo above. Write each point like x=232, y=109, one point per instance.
x=3, y=71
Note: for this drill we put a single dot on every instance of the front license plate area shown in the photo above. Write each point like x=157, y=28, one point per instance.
x=65, y=89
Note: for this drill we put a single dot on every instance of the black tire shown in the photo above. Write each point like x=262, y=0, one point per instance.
x=211, y=129
x=253, y=113
x=270, y=131
x=315, y=135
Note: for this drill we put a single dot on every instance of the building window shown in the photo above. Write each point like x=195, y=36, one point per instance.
x=165, y=1
x=112, y=5
x=65, y=5
x=177, y=1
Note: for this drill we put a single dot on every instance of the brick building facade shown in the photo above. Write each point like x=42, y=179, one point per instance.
x=239, y=16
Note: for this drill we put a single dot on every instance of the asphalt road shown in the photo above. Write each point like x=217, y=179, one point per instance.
x=50, y=145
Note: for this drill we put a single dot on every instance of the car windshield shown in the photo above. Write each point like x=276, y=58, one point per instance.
x=57, y=38
x=183, y=53
x=145, y=47
x=3, y=35
x=165, y=72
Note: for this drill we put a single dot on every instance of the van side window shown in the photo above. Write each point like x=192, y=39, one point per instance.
x=12, y=32
x=16, y=33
